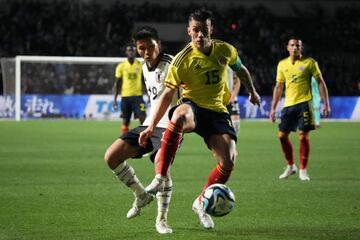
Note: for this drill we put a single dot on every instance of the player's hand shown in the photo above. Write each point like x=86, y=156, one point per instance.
x=272, y=115
x=254, y=98
x=326, y=111
x=144, y=136
x=115, y=105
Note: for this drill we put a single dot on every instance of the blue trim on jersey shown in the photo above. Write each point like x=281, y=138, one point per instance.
x=237, y=65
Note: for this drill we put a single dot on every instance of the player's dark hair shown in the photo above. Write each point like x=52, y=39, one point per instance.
x=201, y=15
x=144, y=32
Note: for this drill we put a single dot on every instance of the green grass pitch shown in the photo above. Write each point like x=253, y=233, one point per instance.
x=54, y=184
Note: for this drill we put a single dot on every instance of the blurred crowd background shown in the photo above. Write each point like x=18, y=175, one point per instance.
x=92, y=28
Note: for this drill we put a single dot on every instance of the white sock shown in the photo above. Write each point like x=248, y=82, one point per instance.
x=163, y=199
x=236, y=124
x=126, y=174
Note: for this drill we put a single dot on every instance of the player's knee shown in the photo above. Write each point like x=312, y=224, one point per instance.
x=227, y=164
x=107, y=156
x=303, y=136
x=179, y=117
x=283, y=135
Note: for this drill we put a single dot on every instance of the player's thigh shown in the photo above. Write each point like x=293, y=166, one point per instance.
x=224, y=148
x=184, y=116
x=306, y=120
x=119, y=151
x=288, y=120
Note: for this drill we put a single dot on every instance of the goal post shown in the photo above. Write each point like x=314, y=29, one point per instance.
x=39, y=67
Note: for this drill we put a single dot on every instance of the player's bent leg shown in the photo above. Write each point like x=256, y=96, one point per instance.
x=182, y=117
x=115, y=157
x=224, y=149
x=205, y=219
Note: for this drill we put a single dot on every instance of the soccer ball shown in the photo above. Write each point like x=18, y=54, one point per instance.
x=218, y=200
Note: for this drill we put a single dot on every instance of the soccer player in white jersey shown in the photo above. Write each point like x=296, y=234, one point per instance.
x=233, y=84
x=155, y=68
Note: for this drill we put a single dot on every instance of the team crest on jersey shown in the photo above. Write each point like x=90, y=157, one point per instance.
x=301, y=68
x=158, y=77
x=197, y=67
x=222, y=60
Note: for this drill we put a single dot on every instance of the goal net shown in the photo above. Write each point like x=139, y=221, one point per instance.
x=57, y=87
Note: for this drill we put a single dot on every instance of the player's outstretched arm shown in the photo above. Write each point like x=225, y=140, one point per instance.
x=246, y=79
x=278, y=90
x=164, y=102
x=324, y=96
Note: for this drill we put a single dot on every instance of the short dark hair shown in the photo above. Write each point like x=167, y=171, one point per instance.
x=201, y=15
x=145, y=32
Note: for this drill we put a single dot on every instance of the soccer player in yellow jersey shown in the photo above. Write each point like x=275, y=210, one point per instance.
x=201, y=68
x=295, y=72
x=128, y=84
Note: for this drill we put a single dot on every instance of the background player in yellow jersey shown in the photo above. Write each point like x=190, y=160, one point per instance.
x=295, y=72
x=202, y=67
x=128, y=84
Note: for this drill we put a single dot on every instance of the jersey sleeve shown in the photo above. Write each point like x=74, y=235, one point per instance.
x=280, y=74
x=172, y=78
x=118, y=71
x=315, y=70
x=235, y=61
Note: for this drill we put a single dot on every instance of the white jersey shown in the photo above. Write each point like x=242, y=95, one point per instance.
x=154, y=81
x=230, y=79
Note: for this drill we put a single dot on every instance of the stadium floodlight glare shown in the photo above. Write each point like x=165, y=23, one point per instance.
x=16, y=79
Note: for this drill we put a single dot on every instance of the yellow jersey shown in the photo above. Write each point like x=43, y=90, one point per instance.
x=297, y=79
x=131, y=75
x=204, y=77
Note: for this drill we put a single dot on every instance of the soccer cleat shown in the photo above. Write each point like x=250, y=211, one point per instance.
x=162, y=227
x=290, y=170
x=140, y=201
x=205, y=219
x=303, y=175
x=156, y=184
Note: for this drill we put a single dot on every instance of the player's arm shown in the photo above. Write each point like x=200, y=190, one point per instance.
x=143, y=84
x=246, y=79
x=117, y=91
x=278, y=90
x=324, y=95
x=164, y=102
x=236, y=88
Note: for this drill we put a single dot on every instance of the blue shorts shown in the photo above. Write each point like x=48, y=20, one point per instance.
x=299, y=116
x=208, y=123
x=131, y=105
